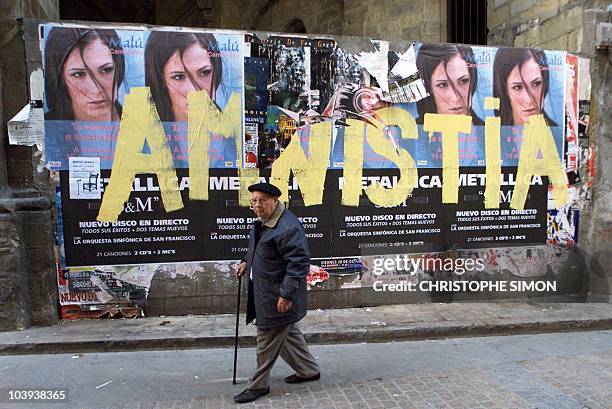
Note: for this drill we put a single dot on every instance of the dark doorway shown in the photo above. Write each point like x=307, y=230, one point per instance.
x=295, y=26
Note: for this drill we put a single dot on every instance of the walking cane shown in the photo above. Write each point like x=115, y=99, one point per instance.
x=236, y=337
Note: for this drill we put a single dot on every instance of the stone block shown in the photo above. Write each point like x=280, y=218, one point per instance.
x=498, y=16
x=432, y=12
x=518, y=6
x=173, y=288
x=563, y=24
x=591, y=18
x=398, y=6
x=542, y=10
x=529, y=38
x=412, y=33
x=30, y=29
x=432, y=29
x=14, y=83
x=15, y=311
x=40, y=258
x=32, y=51
x=215, y=283
x=36, y=227
x=179, y=306
x=574, y=41
x=155, y=306
x=559, y=43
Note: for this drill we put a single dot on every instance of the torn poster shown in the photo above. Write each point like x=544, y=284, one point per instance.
x=377, y=63
x=405, y=83
x=84, y=179
x=316, y=275
x=405, y=90
x=27, y=127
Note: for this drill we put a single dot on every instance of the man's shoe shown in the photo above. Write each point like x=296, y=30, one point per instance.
x=249, y=395
x=297, y=379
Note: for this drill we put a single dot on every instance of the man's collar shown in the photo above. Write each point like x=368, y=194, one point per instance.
x=278, y=211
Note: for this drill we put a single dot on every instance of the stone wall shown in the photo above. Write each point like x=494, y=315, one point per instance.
x=571, y=25
x=547, y=24
x=390, y=19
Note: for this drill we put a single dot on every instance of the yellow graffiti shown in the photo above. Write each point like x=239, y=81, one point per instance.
x=537, y=138
x=389, y=197
x=449, y=126
x=493, y=162
x=206, y=120
x=353, y=162
x=139, y=123
x=309, y=171
x=491, y=103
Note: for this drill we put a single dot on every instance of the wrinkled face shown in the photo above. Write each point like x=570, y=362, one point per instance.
x=89, y=81
x=524, y=87
x=450, y=86
x=193, y=73
x=263, y=204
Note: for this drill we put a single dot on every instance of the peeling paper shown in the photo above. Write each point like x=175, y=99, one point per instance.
x=406, y=66
x=316, y=275
x=28, y=127
x=36, y=85
x=138, y=275
x=376, y=64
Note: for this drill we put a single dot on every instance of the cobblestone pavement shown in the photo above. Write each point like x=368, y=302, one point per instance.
x=573, y=382
x=545, y=371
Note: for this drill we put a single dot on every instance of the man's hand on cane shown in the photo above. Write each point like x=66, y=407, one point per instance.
x=240, y=269
x=283, y=305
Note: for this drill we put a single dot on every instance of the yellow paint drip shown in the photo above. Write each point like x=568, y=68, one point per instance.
x=449, y=126
x=206, y=120
x=390, y=197
x=353, y=162
x=309, y=171
x=493, y=158
x=537, y=137
x=491, y=103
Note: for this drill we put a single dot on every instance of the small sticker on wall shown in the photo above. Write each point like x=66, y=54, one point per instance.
x=84, y=174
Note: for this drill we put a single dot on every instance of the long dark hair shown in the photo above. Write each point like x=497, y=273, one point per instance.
x=506, y=59
x=60, y=43
x=161, y=45
x=428, y=59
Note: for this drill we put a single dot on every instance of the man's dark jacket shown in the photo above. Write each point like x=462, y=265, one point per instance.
x=279, y=258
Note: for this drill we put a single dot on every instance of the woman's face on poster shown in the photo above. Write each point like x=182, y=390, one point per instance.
x=450, y=86
x=193, y=73
x=524, y=87
x=88, y=77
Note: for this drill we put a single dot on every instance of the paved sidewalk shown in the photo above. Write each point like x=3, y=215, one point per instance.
x=350, y=325
x=568, y=370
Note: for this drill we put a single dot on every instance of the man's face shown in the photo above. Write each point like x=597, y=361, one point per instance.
x=263, y=204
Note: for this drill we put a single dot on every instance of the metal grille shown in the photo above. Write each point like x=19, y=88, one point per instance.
x=467, y=21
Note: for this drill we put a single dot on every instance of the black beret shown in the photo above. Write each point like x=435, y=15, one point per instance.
x=266, y=188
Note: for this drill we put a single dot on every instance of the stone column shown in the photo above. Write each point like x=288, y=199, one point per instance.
x=598, y=229
x=28, y=290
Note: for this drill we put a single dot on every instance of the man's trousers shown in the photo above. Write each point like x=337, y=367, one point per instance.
x=289, y=343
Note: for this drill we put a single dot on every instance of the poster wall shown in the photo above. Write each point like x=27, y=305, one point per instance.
x=384, y=149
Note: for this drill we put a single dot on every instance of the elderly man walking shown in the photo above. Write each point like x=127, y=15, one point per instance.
x=277, y=263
